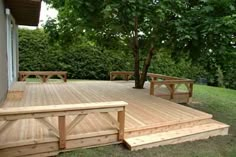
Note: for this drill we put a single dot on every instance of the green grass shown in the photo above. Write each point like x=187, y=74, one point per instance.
x=219, y=102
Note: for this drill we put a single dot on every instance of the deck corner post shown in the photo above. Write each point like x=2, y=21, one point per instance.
x=121, y=120
x=62, y=131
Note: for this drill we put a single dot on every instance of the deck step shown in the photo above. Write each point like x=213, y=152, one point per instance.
x=203, y=131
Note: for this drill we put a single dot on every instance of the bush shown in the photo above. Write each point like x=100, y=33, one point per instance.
x=229, y=71
x=162, y=63
x=35, y=53
x=90, y=62
x=80, y=60
x=84, y=60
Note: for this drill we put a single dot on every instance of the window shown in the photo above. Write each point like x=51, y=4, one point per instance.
x=11, y=48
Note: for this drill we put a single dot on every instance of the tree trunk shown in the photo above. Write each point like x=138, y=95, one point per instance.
x=146, y=66
x=136, y=54
x=140, y=80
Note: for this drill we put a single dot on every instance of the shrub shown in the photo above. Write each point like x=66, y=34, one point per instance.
x=84, y=59
x=162, y=63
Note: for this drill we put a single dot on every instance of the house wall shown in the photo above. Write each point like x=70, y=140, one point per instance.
x=3, y=54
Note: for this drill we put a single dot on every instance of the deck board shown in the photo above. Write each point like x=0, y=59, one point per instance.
x=142, y=111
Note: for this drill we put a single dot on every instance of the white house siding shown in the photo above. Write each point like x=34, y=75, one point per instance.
x=3, y=54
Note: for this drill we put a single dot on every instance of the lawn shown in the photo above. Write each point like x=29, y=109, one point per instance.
x=219, y=102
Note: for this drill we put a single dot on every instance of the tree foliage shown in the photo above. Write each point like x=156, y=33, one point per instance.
x=35, y=52
x=138, y=23
x=203, y=29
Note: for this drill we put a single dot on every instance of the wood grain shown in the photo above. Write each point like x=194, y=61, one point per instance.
x=144, y=114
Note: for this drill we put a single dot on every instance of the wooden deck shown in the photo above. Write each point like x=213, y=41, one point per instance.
x=144, y=114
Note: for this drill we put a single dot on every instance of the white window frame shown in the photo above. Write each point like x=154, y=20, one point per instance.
x=11, y=48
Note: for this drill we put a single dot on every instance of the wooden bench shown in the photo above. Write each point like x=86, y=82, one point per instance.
x=155, y=77
x=126, y=75
x=62, y=132
x=173, y=92
x=43, y=75
x=16, y=91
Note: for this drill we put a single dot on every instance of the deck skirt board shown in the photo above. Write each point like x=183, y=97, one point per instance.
x=145, y=115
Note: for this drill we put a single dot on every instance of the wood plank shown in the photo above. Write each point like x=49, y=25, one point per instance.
x=42, y=72
x=198, y=132
x=93, y=141
x=143, y=114
x=61, y=108
x=6, y=125
x=30, y=149
x=92, y=134
x=62, y=132
x=113, y=121
x=18, y=95
x=172, y=81
x=121, y=120
x=76, y=121
x=55, y=114
x=17, y=87
x=152, y=129
x=49, y=126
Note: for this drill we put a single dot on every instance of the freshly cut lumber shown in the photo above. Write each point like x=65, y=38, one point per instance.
x=43, y=75
x=177, y=136
x=18, y=86
x=144, y=115
x=78, y=119
x=16, y=91
x=60, y=108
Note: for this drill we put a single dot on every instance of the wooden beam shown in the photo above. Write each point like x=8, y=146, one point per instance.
x=121, y=120
x=6, y=125
x=62, y=131
x=113, y=121
x=76, y=121
x=57, y=113
x=49, y=126
x=61, y=108
x=172, y=81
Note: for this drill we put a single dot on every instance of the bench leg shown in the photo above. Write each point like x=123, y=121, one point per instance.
x=65, y=78
x=44, y=78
